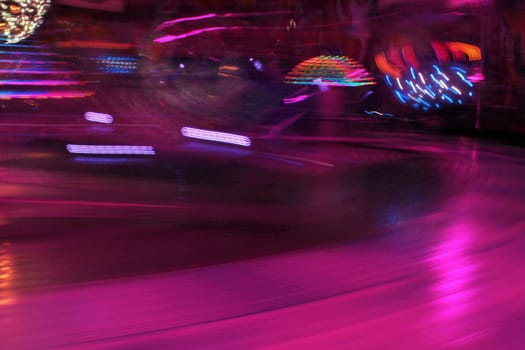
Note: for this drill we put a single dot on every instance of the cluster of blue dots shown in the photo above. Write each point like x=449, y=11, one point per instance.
x=116, y=64
x=433, y=88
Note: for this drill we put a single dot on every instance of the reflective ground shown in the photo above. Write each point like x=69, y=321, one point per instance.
x=360, y=206
x=333, y=232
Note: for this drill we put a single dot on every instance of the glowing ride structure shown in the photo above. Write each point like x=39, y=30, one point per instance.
x=20, y=18
x=330, y=71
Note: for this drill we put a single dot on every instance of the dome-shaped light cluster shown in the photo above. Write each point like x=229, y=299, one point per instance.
x=20, y=18
x=330, y=71
x=432, y=88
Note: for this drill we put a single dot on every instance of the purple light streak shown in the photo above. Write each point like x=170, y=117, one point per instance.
x=99, y=117
x=216, y=136
x=111, y=149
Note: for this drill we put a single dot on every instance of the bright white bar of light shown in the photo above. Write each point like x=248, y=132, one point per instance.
x=111, y=149
x=99, y=117
x=216, y=136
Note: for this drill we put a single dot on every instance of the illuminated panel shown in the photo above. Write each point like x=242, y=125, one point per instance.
x=110, y=149
x=330, y=71
x=432, y=88
x=216, y=136
x=99, y=117
x=20, y=18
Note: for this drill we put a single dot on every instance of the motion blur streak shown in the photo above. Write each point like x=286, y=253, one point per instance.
x=168, y=38
x=459, y=50
x=6, y=275
x=8, y=95
x=22, y=82
x=385, y=67
x=99, y=117
x=216, y=136
x=110, y=149
x=213, y=15
x=184, y=19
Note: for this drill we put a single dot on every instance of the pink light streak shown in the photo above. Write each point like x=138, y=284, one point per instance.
x=22, y=82
x=168, y=38
x=184, y=19
x=292, y=100
x=217, y=136
x=35, y=71
x=213, y=15
x=476, y=78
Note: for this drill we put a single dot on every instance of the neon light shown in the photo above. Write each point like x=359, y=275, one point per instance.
x=213, y=15
x=93, y=45
x=412, y=73
x=8, y=95
x=421, y=77
x=291, y=100
x=395, y=57
x=28, y=53
x=399, y=96
x=440, y=51
x=37, y=71
x=410, y=56
x=217, y=136
x=409, y=91
x=99, y=117
x=19, y=20
x=184, y=19
x=168, y=38
x=456, y=90
x=110, y=160
x=110, y=149
x=459, y=69
x=459, y=50
x=388, y=81
x=399, y=84
x=447, y=98
x=378, y=113
x=385, y=67
x=476, y=78
x=22, y=82
x=116, y=64
x=330, y=71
